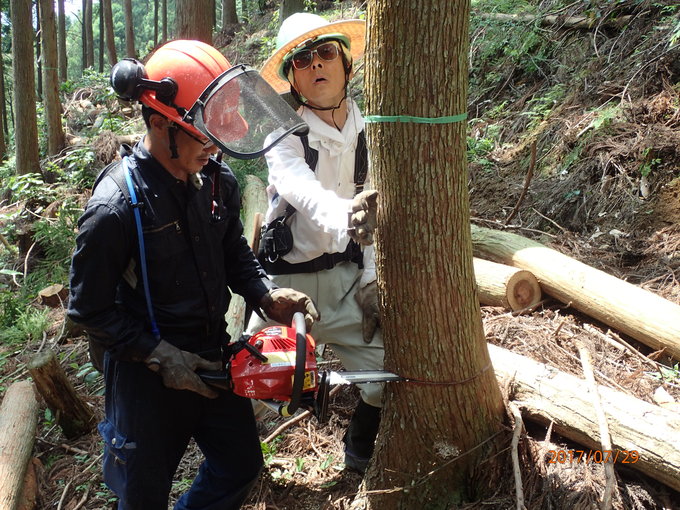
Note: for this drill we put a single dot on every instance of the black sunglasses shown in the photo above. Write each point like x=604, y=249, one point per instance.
x=327, y=51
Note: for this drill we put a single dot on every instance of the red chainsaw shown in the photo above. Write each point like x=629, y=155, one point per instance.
x=278, y=366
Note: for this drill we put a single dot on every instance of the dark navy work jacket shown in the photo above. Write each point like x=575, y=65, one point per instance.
x=192, y=259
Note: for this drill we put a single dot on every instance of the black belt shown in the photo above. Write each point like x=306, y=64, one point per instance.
x=326, y=261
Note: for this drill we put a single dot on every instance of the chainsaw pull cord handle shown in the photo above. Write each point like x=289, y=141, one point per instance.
x=300, y=362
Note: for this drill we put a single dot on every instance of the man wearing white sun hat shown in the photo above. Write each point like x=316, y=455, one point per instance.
x=316, y=183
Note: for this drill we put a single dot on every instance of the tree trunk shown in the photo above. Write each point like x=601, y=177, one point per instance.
x=108, y=28
x=289, y=7
x=3, y=114
x=61, y=45
x=55, y=131
x=548, y=396
x=101, y=38
x=18, y=422
x=83, y=37
x=431, y=320
x=229, y=14
x=38, y=58
x=89, y=34
x=26, y=129
x=254, y=204
x=643, y=315
x=509, y=287
x=74, y=416
x=129, y=30
x=190, y=20
x=155, y=23
x=164, y=20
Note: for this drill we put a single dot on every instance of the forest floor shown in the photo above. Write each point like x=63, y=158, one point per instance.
x=605, y=191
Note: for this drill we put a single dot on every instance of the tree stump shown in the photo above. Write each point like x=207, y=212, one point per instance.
x=18, y=422
x=73, y=415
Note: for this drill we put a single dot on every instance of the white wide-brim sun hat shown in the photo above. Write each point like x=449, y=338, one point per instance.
x=300, y=28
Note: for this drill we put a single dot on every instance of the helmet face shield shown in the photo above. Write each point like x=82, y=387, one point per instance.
x=243, y=115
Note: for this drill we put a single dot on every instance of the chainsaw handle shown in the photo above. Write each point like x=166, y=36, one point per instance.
x=300, y=359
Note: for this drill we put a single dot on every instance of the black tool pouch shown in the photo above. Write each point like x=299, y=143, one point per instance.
x=276, y=240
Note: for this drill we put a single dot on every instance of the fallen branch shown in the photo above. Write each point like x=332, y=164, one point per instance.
x=576, y=22
x=516, y=433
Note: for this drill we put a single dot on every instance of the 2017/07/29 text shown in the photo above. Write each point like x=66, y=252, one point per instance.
x=596, y=456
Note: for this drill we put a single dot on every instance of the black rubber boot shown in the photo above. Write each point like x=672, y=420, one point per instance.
x=360, y=437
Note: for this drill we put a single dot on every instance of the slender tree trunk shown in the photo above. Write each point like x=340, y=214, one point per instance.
x=129, y=30
x=61, y=38
x=3, y=118
x=229, y=15
x=101, y=38
x=83, y=37
x=89, y=34
x=289, y=7
x=190, y=20
x=155, y=23
x=55, y=132
x=164, y=20
x=108, y=28
x=25, y=127
x=38, y=58
x=434, y=434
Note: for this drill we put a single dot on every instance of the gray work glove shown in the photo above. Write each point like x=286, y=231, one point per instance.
x=367, y=297
x=362, y=218
x=281, y=304
x=178, y=368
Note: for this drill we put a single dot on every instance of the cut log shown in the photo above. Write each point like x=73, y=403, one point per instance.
x=74, y=416
x=254, y=207
x=643, y=315
x=18, y=422
x=577, y=22
x=546, y=395
x=506, y=286
x=53, y=296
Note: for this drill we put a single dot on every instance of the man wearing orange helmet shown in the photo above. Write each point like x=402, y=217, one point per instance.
x=159, y=246
x=316, y=183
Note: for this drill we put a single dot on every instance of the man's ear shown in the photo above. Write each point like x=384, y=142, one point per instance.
x=159, y=122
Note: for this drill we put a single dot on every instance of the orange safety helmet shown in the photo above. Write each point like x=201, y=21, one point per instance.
x=192, y=65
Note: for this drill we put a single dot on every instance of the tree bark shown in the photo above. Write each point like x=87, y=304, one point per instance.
x=229, y=14
x=254, y=203
x=190, y=20
x=18, y=422
x=509, y=287
x=643, y=315
x=548, y=396
x=108, y=28
x=289, y=7
x=83, y=37
x=74, y=416
x=25, y=126
x=431, y=323
x=101, y=38
x=55, y=131
x=164, y=20
x=155, y=23
x=61, y=45
x=129, y=30
x=38, y=59
x=89, y=34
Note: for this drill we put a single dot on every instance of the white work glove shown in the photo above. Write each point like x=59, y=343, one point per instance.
x=362, y=217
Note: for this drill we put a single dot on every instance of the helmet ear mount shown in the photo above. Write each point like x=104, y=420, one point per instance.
x=129, y=80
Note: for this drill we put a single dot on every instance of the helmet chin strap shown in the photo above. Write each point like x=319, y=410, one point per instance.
x=172, y=142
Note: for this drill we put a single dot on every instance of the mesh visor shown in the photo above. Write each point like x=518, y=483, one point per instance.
x=243, y=115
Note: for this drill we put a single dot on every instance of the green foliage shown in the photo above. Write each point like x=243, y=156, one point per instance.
x=540, y=107
x=29, y=326
x=79, y=168
x=56, y=236
x=243, y=167
x=649, y=163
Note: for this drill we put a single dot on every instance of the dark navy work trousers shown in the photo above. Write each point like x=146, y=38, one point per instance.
x=147, y=429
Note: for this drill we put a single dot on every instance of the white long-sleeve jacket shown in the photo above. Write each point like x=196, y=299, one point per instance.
x=323, y=197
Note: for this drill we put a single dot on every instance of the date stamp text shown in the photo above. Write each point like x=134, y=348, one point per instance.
x=593, y=456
